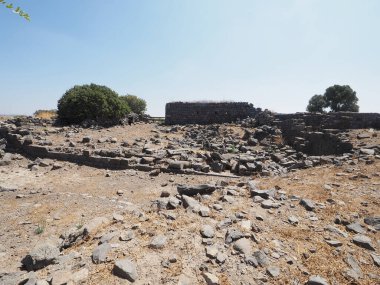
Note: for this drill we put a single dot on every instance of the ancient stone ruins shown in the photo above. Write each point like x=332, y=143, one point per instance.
x=221, y=193
x=182, y=113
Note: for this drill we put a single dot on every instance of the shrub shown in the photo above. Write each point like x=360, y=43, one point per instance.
x=136, y=104
x=40, y=228
x=232, y=149
x=91, y=102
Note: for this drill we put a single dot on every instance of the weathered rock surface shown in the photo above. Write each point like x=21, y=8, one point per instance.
x=192, y=190
x=43, y=254
x=356, y=228
x=211, y=279
x=158, y=242
x=317, y=280
x=99, y=255
x=373, y=221
x=125, y=268
x=74, y=235
x=207, y=231
x=308, y=204
x=243, y=246
x=363, y=241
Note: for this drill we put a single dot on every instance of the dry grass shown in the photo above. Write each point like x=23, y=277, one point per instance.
x=45, y=114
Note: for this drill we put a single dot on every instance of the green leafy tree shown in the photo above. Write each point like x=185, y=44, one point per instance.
x=91, y=102
x=316, y=104
x=136, y=104
x=341, y=98
x=16, y=10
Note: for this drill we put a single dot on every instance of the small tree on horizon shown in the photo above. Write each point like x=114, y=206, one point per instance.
x=317, y=103
x=137, y=105
x=341, y=98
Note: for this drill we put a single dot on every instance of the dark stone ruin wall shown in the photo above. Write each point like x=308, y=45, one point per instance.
x=320, y=134
x=183, y=113
x=15, y=141
x=321, y=143
x=338, y=120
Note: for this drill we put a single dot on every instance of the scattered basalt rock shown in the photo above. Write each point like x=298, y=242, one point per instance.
x=317, y=280
x=225, y=222
x=273, y=144
x=373, y=221
x=308, y=204
x=125, y=268
x=99, y=255
x=363, y=241
x=42, y=255
x=192, y=190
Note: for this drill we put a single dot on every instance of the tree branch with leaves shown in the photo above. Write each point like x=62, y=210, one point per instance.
x=16, y=10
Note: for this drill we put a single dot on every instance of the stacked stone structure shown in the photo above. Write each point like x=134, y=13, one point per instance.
x=204, y=113
x=334, y=120
x=318, y=134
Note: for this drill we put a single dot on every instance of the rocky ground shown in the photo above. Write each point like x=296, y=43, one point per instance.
x=297, y=220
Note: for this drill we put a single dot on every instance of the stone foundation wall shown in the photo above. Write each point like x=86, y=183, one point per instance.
x=318, y=134
x=322, y=143
x=14, y=142
x=339, y=120
x=207, y=113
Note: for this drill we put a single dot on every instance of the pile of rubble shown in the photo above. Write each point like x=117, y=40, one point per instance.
x=213, y=149
x=190, y=229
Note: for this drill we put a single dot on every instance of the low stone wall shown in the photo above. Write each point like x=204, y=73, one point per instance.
x=313, y=133
x=117, y=163
x=338, y=120
x=322, y=143
x=182, y=113
x=93, y=161
x=19, y=144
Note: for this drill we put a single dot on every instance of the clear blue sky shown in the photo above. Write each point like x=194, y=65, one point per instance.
x=274, y=54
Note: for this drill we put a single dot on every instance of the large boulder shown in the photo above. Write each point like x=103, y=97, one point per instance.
x=6, y=159
x=126, y=269
x=42, y=255
x=74, y=235
x=192, y=190
x=99, y=255
x=373, y=221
